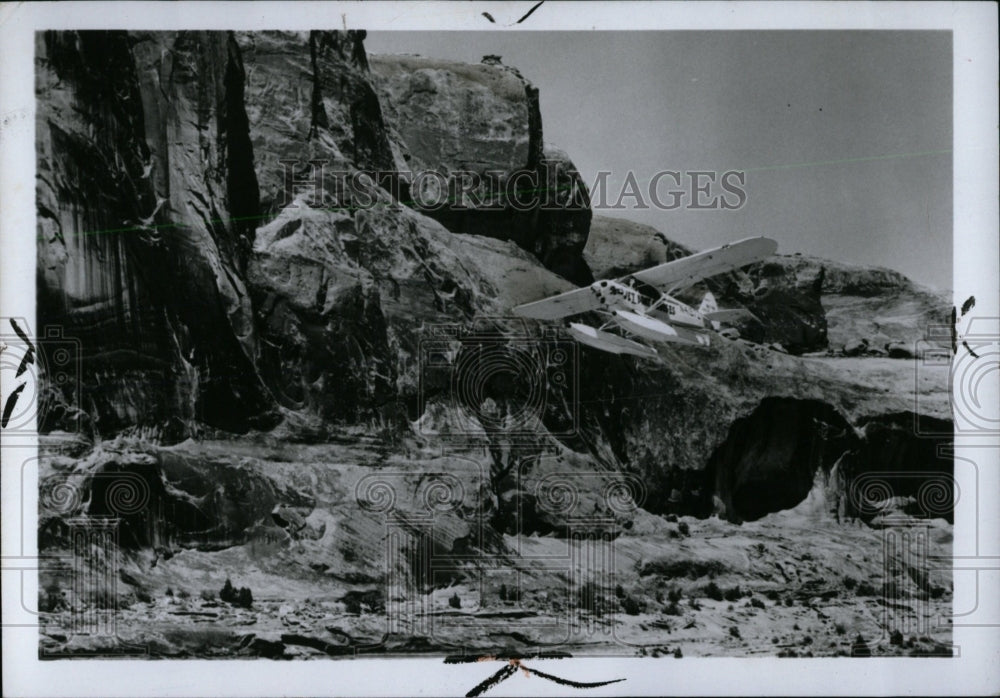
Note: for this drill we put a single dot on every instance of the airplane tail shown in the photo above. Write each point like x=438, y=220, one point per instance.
x=708, y=304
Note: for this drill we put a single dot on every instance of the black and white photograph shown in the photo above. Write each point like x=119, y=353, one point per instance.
x=499, y=347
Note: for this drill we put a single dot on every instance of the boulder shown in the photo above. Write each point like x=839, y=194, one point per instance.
x=341, y=300
x=900, y=350
x=616, y=247
x=856, y=347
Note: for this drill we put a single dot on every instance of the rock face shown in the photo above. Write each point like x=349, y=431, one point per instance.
x=458, y=116
x=879, y=305
x=315, y=336
x=341, y=300
x=309, y=98
x=147, y=246
x=484, y=120
x=144, y=175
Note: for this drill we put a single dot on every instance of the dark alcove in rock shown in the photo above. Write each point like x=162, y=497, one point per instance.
x=769, y=459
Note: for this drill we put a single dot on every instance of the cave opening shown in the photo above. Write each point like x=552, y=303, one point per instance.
x=769, y=460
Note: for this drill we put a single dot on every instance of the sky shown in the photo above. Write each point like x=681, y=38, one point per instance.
x=845, y=137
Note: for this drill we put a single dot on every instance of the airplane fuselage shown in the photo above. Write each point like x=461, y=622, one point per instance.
x=664, y=320
x=615, y=295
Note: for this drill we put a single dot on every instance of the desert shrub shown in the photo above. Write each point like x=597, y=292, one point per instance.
x=354, y=600
x=207, y=595
x=170, y=592
x=757, y=603
x=588, y=598
x=51, y=598
x=619, y=591
x=675, y=595
x=936, y=591
x=774, y=640
x=772, y=594
x=244, y=597
x=938, y=650
x=840, y=628
x=694, y=603
x=678, y=654
x=865, y=589
x=143, y=596
x=789, y=601
x=796, y=627
x=712, y=591
x=807, y=640
x=673, y=609
x=891, y=589
x=734, y=631
x=692, y=569
x=850, y=583
x=788, y=653
x=183, y=594
x=684, y=529
x=896, y=638
x=859, y=648
x=733, y=594
x=631, y=606
x=503, y=592
x=237, y=597
x=454, y=601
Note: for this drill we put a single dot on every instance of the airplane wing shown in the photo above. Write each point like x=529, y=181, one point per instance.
x=579, y=300
x=729, y=315
x=701, y=265
x=605, y=341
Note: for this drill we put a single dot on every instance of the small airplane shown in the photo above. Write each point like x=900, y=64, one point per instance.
x=632, y=313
